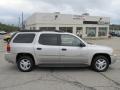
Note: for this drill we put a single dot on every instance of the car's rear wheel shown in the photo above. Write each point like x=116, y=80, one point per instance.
x=25, y=64
x=100, y=63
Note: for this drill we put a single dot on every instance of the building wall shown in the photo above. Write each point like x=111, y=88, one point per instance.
x=38, y=20
x=115, y=28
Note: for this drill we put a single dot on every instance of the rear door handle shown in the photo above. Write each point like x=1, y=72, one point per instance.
x=39, y=48
x=64, y=49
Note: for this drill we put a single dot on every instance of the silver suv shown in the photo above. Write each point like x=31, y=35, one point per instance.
x=30, y=48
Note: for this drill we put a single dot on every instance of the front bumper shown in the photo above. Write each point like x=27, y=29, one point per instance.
x=113, y=58
x=11, y=58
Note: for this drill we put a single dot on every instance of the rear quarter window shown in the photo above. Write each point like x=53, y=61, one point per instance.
x=24, y=38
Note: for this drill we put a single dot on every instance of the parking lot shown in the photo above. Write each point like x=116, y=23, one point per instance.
x=61, y=78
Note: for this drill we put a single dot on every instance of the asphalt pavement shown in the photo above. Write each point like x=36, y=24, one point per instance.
x=61, y=78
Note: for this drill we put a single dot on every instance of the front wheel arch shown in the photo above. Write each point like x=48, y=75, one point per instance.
x=102, y=54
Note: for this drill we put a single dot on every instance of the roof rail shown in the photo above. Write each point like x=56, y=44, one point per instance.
x=40, y=30
x=29, y=31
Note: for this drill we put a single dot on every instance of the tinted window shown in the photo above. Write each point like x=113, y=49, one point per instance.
x=48, y=39
x=24, y=38
x=69, y=40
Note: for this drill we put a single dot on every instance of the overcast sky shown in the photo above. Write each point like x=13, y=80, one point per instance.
x=10, y=10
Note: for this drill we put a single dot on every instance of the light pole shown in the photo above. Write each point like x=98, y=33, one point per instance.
x=18, y=23
x=22, y=21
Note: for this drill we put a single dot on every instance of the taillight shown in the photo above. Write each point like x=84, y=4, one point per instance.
x=8, y=47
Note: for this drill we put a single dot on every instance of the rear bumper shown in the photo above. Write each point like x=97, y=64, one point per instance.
x=10, y=57
x=113, y=58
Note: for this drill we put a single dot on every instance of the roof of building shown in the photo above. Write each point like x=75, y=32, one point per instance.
x=57, y=18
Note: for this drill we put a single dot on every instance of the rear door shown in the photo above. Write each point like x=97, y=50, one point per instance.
x=47, y=49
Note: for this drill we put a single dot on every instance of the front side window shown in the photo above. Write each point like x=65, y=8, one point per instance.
x=48, y=39
x=69, y=40
x=24, y=38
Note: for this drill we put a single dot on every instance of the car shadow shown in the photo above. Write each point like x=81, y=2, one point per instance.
x=64, y=69
x=37, y=68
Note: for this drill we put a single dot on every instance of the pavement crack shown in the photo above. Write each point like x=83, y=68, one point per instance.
x=19, y=84
x=115, y=82
x=24, y=83
x=75, y=83
x=109, y=86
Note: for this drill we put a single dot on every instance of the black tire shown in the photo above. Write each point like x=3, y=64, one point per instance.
x=95, y=65
x=28, y=60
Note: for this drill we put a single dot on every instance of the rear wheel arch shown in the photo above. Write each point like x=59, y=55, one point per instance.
x=19, y=55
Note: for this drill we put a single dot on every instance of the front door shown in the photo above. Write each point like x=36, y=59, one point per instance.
x=70, y=50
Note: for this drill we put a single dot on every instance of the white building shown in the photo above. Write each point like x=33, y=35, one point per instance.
x=82, y=25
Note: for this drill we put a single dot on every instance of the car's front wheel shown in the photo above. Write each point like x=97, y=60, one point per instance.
x=25, y=64
x=100, y=63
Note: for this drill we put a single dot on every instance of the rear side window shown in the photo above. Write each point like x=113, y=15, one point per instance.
x=24, y=38
x=48, y=39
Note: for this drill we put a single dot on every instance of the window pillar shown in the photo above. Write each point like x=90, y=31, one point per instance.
x=108, y=30
x=97, y=31
x=74, y=30
x=57, y=28
x=84, y=32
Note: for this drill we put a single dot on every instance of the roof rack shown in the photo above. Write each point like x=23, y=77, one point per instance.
x=41, y=31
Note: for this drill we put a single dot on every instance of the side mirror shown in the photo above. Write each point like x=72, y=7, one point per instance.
x=82, y=45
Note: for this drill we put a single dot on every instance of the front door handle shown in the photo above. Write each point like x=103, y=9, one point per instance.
x=64, y=49
x=39, y=48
